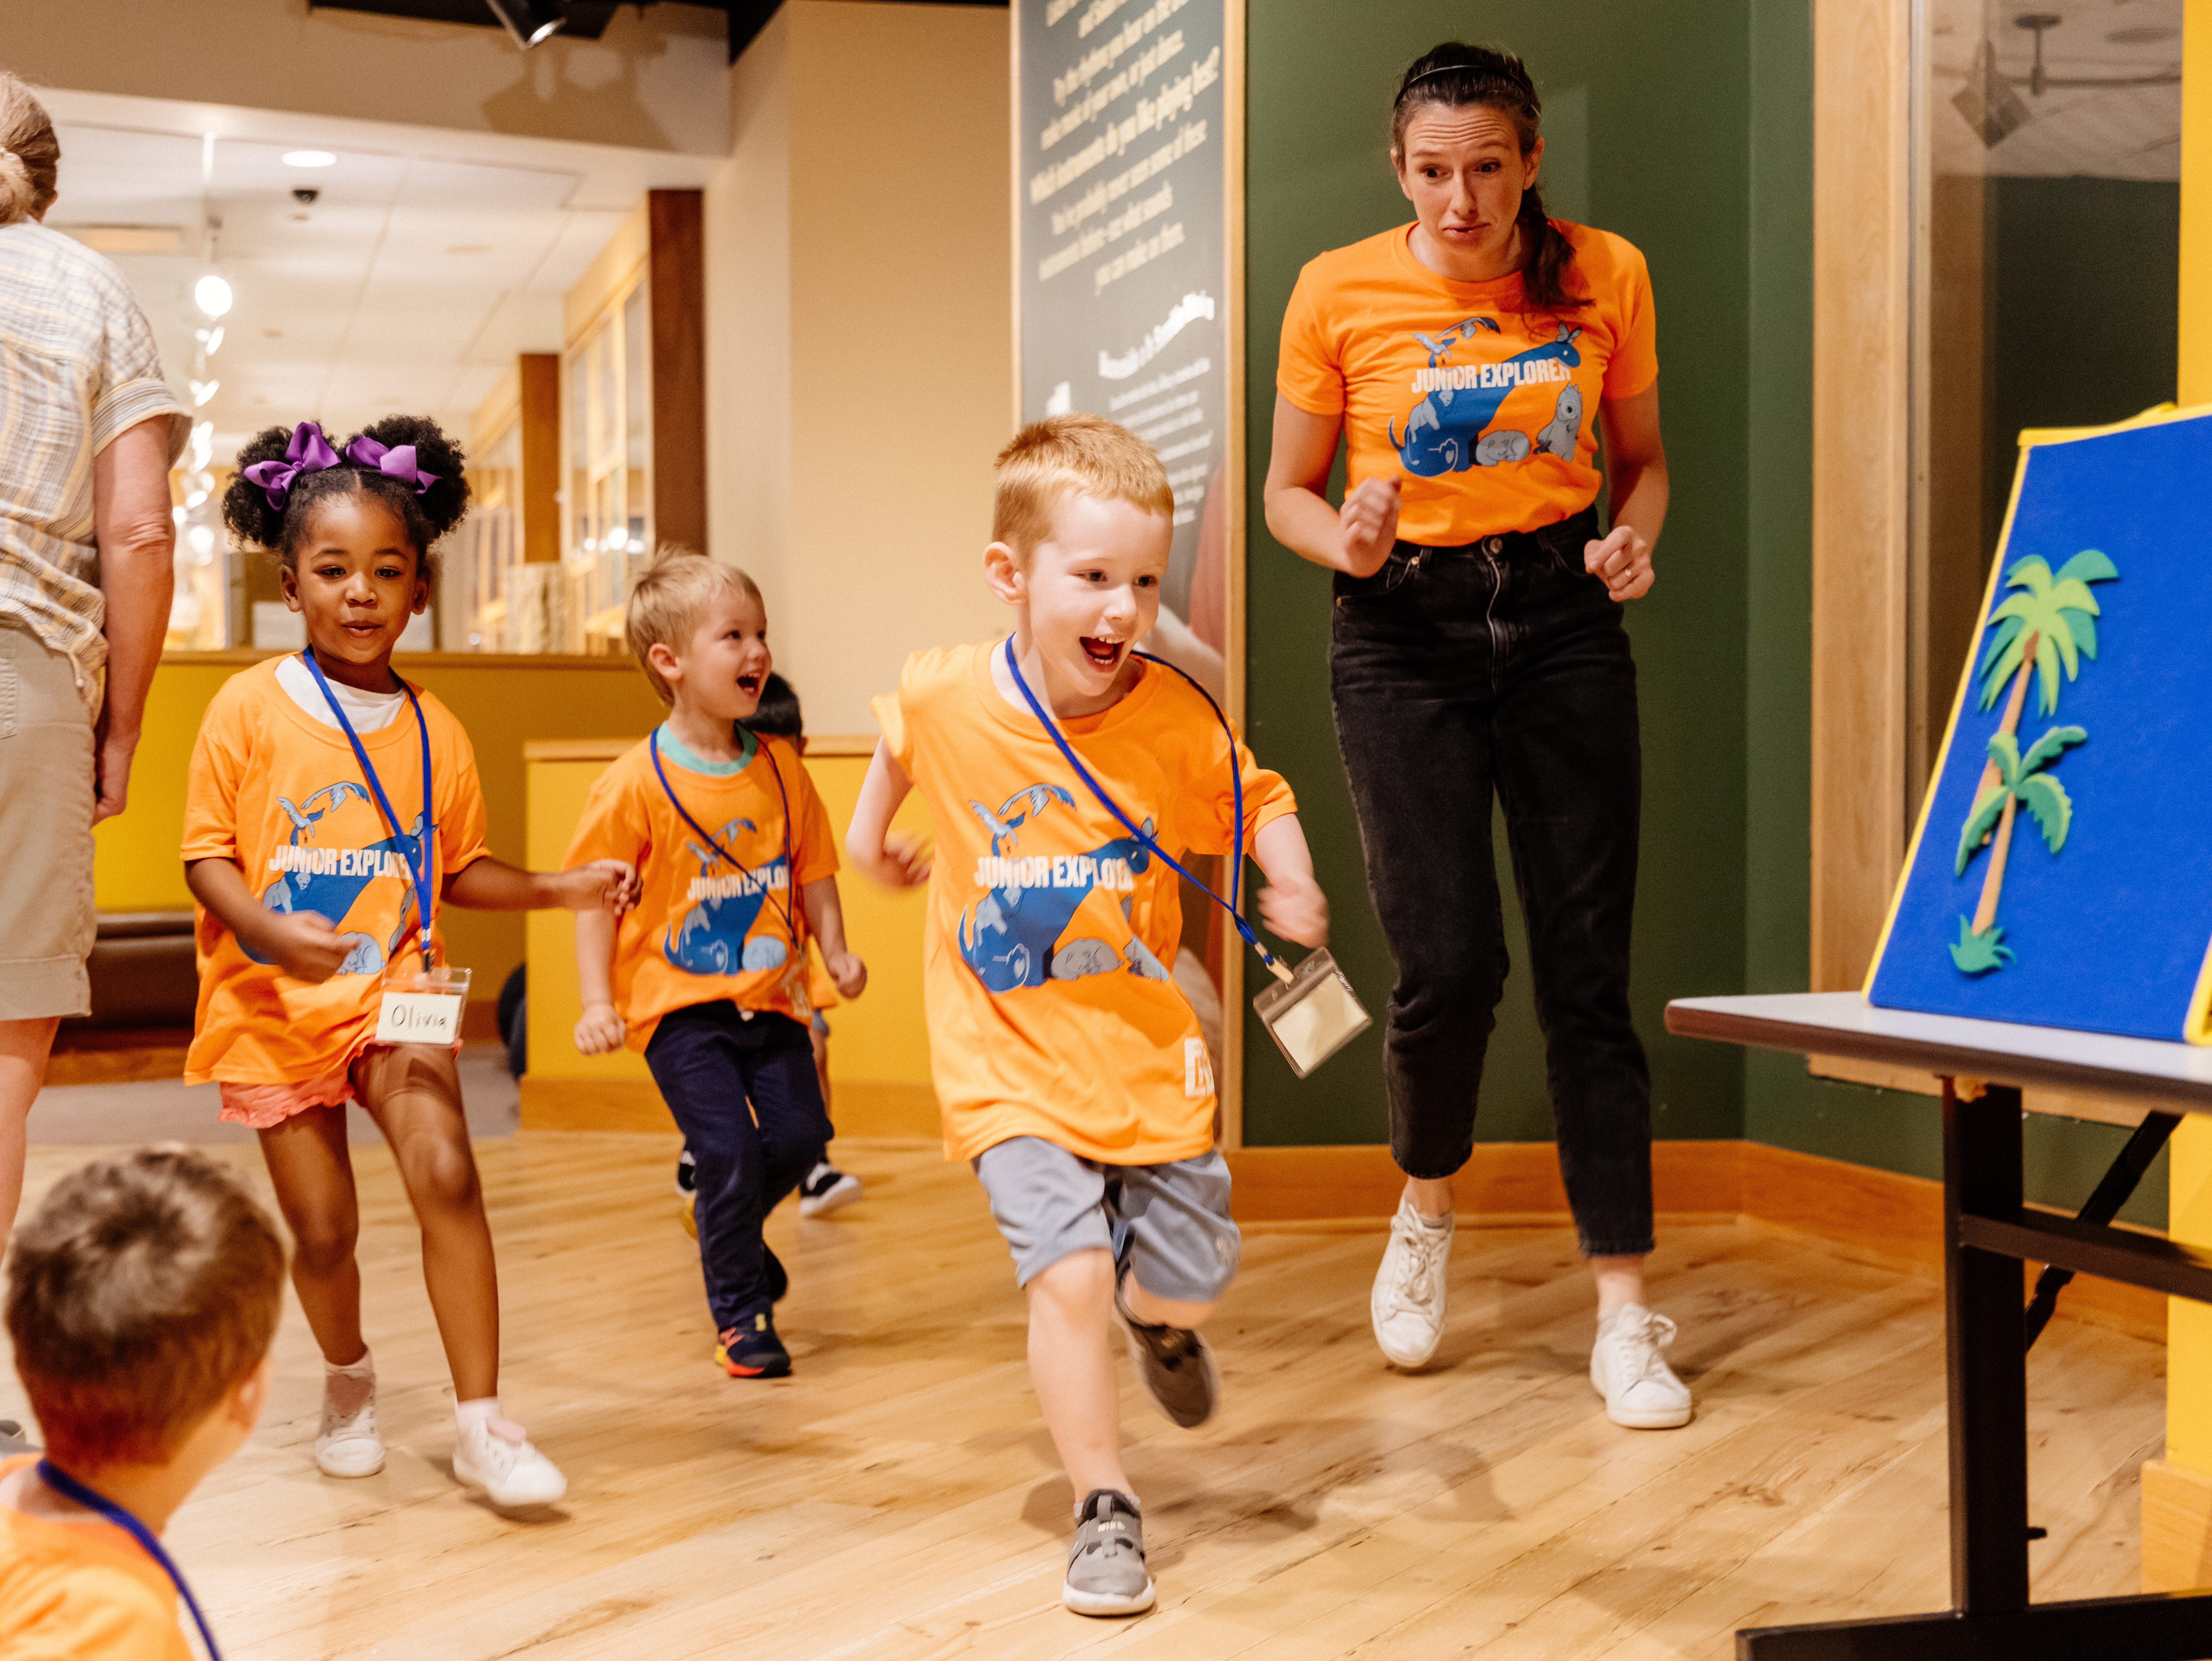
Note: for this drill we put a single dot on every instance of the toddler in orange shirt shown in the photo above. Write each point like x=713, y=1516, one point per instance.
x=329, y=808
x=141, y=1298
x=706, y=975
x=1069, y=1069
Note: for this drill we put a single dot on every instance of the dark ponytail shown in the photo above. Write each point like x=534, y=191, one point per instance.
x=1455, y=74
x=426, y=515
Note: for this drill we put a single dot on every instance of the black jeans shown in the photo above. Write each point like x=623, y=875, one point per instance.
x=710, y=1062
x=1502, y=666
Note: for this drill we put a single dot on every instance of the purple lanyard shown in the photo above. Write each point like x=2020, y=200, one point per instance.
x=62, y=1483
x=418, y=869
x=1235, y=792
x=790, y=873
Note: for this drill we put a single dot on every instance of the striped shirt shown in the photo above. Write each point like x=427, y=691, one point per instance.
x=77, y=368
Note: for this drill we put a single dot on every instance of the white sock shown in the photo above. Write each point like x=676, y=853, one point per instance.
x=484, y=1410
x=350, y=1386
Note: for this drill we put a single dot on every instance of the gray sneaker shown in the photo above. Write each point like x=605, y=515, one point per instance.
x=1175, y=1367
x=1106, y=1571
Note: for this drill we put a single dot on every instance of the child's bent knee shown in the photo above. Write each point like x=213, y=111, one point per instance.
x=1083, y=1276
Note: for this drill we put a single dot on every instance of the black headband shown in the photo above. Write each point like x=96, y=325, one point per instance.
x=1446, y=68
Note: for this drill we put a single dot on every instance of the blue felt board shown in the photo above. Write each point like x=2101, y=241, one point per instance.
x=2109, y=935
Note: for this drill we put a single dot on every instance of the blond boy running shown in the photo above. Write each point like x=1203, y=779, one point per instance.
x=706, y=974
x=1070, y=1070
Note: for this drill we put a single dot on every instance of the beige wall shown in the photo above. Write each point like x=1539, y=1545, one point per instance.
x=655, y=80
x=860, y=356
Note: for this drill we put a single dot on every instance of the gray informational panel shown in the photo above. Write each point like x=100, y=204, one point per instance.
x=1122, y=247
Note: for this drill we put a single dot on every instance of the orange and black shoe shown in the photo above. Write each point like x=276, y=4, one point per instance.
x=752, y=1350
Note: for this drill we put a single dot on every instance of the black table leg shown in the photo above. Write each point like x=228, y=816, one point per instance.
x=1987, y=1359
x=2112, y=1192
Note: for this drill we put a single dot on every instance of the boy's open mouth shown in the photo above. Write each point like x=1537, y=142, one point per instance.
x=749, y=685
x=1103, y=654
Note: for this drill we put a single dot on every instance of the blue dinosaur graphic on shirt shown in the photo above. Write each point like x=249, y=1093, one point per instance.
x=710, y=939
x=1011, y=936
x=331, y=895
x=1444, y=432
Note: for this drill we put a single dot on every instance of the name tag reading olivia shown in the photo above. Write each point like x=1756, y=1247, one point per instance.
x=421, y=1007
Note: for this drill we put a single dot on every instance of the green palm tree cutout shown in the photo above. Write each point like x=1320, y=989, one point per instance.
x=2021, y=782
x=2050, y=625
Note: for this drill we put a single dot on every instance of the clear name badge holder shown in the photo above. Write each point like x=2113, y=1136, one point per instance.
x=1310, y=1012
x=421, y=998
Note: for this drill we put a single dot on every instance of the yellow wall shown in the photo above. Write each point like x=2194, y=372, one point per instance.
x=880, y=1039
x=860, y=369
x=504, y=703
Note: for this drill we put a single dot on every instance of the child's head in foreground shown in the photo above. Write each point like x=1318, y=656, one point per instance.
x=699, y=630
x=141, y=1298
x=1079, y=537
x=352, y=526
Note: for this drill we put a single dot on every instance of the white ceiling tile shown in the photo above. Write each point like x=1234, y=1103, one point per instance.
x=356, y=305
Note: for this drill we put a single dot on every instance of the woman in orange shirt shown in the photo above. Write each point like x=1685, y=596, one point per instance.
x=1469, y=361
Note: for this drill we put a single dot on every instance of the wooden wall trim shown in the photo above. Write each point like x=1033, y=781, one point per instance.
x=539, y=409
x=1231, y=1084
x=1862, y=307
x=677, y=307
x=1877, y=1214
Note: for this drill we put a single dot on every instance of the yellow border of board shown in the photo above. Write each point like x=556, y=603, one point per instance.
x=2196, y=1028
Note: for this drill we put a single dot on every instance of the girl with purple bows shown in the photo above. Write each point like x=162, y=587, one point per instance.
x=331, y=810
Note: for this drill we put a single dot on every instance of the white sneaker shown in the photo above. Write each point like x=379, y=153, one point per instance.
x=826, y=1189
x=509, y=1473
x=348, y=1444
x=1640, y=1390
x=1407, y=1307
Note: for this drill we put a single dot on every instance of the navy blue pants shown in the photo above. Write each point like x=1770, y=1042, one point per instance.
x=710, y=1062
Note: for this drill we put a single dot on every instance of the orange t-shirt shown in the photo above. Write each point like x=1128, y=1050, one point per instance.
x=83, y=1592
x=1487, y=413
x=1051, y=932
x=703, y=931
x=284, y=798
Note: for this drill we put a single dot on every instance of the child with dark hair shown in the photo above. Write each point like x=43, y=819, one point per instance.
x=331, y=808
x=141, y=1299
x=825, y=1189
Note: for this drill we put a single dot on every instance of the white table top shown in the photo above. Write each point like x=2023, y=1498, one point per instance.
x=2176, y=1076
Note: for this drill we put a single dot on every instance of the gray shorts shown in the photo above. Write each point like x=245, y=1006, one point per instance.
x=1170, y=1221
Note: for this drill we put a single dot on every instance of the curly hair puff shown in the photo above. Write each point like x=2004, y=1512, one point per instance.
x=426, y=517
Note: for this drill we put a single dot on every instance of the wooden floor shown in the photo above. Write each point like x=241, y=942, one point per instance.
x=898, y=1497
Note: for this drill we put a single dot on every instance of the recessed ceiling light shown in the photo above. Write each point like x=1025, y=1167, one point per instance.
x=309, y=159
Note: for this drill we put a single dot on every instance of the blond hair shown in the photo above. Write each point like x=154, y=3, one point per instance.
x=1087, y=455
x=139, y=1294
x=670, y=598
x=30, y=155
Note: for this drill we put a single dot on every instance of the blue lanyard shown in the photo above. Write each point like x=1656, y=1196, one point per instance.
x=62, y=1483
x=790, y=873
x=419, y=870
x=1235, y=791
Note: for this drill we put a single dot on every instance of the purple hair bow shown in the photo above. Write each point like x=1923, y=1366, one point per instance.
x=309, y=452
x=400, y=463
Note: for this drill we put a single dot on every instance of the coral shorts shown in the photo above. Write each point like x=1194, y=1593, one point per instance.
x=264, y=1106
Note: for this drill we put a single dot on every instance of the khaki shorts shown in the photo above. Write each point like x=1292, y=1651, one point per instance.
x=46, y=918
